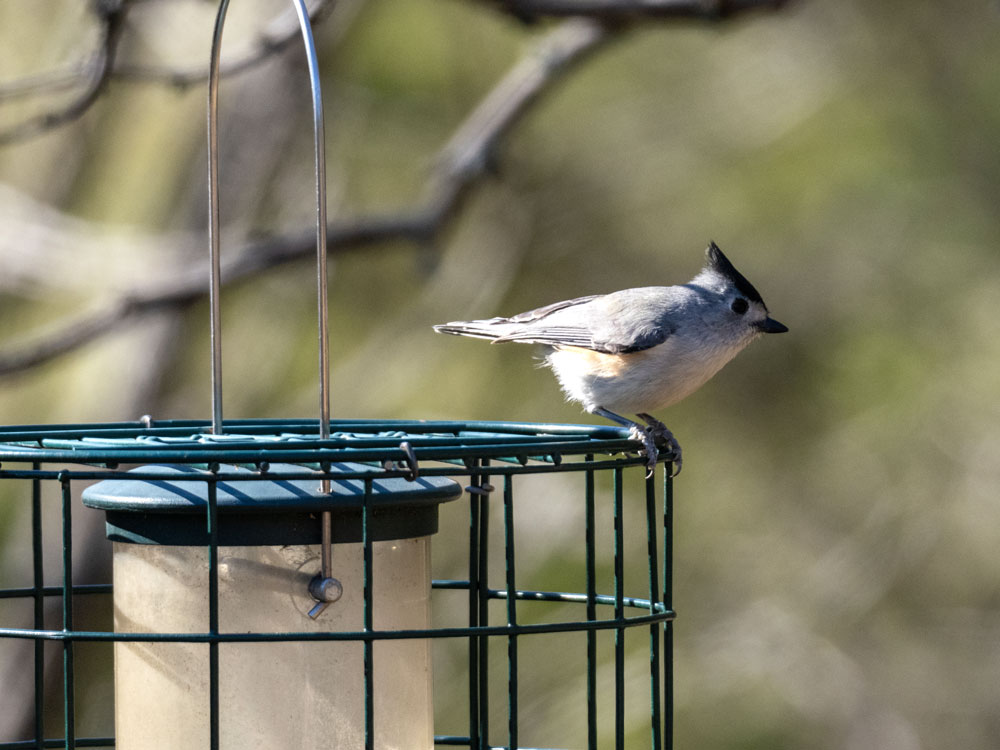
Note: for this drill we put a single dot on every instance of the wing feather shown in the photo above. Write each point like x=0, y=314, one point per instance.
x=542, y=312
x=620, y=323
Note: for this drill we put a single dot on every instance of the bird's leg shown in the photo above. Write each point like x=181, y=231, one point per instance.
x=659, y=430
x=637, y=432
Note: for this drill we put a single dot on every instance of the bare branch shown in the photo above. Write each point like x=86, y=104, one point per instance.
x=273, y=39
x=469, y=153
x=73, y=336
x=100, y=67
x=112, y=22
x=49, y=82
x=618, y=11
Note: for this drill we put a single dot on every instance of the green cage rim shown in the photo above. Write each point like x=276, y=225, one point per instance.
x=533, y=447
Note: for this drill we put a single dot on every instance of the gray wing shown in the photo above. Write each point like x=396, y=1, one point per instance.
x=542, y=312
x=620, y=323
x=518, y=327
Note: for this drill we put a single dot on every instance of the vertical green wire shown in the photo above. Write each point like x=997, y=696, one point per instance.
x=213, y=613
x=369, y=620
x=38, y=592
x=508, y=515
x=654, y=634
x=591, y=583
x=473, y=613
x=619, y=614
x=69, y=709
x=668, y=599
x=484, y=600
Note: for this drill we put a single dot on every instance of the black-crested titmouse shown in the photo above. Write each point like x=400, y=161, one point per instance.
x=639, y=350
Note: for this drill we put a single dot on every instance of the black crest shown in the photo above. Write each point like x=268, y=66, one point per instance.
x=718, y=262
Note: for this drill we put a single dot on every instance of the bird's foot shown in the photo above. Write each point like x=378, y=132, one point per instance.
x=660, y=433
x=645, y=436
x=648, y=437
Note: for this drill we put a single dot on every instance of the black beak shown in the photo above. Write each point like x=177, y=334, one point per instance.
x=770, y=325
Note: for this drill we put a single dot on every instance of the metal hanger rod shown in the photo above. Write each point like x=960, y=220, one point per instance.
x=215, y=329
x=319, y=141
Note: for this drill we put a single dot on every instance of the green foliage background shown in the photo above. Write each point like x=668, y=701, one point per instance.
x=837, y=525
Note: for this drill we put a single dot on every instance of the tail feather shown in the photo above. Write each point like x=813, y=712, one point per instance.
x=491, y=329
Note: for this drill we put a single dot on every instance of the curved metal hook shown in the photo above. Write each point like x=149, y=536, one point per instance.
x=319, y=142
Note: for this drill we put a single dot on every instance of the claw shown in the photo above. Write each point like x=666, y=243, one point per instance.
x=645, y=435
x=648, y=437
x=675, y=449
x=658, y=430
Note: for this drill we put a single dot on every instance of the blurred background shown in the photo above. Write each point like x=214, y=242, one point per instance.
x=837, y=527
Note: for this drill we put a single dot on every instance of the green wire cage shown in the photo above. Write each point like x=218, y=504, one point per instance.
x=273, y=584
x=52, y=464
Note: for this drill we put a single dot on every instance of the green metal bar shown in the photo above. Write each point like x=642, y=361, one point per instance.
x=508, y=508
x=38, y=592
x=484, y=619
x=656, y=729
x=474, y=558
x=367, y=583
x=534, y=445
x=450, y=740
x=269, y=427
x=446, y=739
x=591, y=565
x=550, y=596
x=619, y=552
x=668, y=598
x=297, y=449
x=213, y=615
x=69, y=707
x=304, y=426
x=89, y=636
x=58, y=743
x=301, y=457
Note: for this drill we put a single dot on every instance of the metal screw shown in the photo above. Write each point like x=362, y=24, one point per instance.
x=325, y=591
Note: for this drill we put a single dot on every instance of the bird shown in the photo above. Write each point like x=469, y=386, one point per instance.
x=640, y=350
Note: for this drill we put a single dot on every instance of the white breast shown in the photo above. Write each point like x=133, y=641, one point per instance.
x=643, y=381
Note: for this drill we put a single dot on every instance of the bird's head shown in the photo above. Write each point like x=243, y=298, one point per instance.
x=739, y=306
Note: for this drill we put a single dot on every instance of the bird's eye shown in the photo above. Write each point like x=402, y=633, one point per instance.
x=740, y=306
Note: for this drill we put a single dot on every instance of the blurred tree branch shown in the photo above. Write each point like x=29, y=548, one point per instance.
x=100, y=67
x=617, y=11
x=281, y=33
x=466, y=159
x=96, y=72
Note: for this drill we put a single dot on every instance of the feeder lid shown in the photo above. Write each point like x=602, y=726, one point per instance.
x=164, y=508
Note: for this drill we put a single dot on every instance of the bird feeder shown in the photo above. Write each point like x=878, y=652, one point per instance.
x=217, y=542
